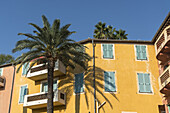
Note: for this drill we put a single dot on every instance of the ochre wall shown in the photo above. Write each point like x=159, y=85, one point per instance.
x=126, y=98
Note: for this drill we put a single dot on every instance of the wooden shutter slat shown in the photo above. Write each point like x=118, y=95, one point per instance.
x=112, y=81
x=107, y=50
x=104, y=51
x=138, y=52
x=106, y=79
x=143, y=53
x=79, y=83
x=55, y=85
x=141, y=82
x=23, y=92
x=147, y=83
x=109, y=78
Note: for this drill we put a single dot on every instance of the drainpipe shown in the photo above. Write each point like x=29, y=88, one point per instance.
x=94, y=76
x=99, y=106
x=9, y=110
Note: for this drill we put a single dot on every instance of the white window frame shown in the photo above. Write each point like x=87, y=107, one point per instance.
x=83, y=85
x=20, y=93
x=147, y=55
x=145, y=93
x=115, y=92
x=113, y=51
x=2, y=71
x=44, y=81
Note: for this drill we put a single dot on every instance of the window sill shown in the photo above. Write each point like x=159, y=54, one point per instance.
x=146, y=93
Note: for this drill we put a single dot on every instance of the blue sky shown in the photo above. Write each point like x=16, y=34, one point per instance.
x=140, y=18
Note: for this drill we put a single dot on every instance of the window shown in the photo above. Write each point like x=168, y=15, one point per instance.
x=45, y=86
x=1, y=71
x=79, y=83
x=144, y=83
x=23, y=92
x=109, y=79
x=25, y=68
x=56, y=64
x=108, y=51
x=141, y=52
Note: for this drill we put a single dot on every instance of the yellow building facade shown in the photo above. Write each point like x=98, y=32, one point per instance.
x=121, y=65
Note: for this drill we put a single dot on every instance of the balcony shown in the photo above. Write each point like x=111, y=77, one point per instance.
x=39, y=72
x=164, y=84
x=163, y=46
x=2, y=81
x=39, y=100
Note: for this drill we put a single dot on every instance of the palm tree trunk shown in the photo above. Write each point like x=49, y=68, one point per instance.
x=50, y=94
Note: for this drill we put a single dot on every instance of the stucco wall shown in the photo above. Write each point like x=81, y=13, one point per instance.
x=126, y=98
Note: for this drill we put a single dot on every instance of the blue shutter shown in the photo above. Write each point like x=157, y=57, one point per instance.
x=0, y=71
x=138, y=52
x=107, y=50
x=147, y=83
x=45, y=87
x=109, y=78
x=112, y=81
x=79, y=83
x=104, y=50
x=56, y=64
x=143, y=53
x=141, y=82
x=23, y=92
x=106, y=80
x=55, y=85
x=25, y=69
x=110, y=51
x=21, y=95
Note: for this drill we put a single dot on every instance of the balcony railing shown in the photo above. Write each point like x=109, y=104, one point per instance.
x=39, y=100
x=165, y=79
x=40, y=71
x=2, y=81
x=163, y=45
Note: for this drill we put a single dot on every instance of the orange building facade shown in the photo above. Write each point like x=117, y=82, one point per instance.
x=162, y=46
x=6, y=77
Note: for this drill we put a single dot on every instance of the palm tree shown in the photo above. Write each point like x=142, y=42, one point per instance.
x=103, y=32
x=100, y=31
x=120, y=35
x=111, y=32
x=6, y=59
x=50, y=43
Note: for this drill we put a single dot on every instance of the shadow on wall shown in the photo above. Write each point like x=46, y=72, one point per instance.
x=67, y=84
x=24, y=110
x=44, y=110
